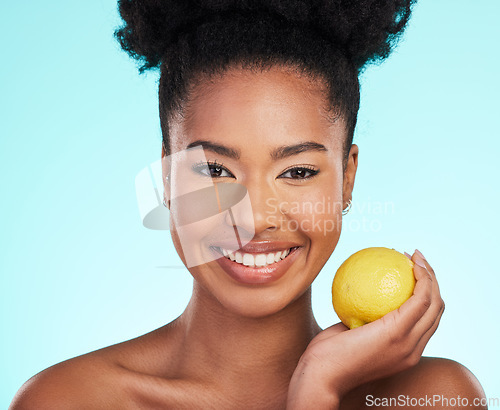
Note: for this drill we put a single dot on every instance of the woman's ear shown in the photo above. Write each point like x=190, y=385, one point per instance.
x=165, y=173
x=350, y=173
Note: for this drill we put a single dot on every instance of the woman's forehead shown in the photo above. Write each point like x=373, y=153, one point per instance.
x=274, y=86
x=268, y=108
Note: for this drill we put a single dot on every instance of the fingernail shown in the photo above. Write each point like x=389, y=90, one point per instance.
x=408, y=256
x=420, y=263
x=419, y=253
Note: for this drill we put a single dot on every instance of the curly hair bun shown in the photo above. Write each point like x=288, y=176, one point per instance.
x=365, y=30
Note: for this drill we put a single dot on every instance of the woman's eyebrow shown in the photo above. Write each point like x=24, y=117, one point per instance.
x=276, y=154
x=217, y=148
x=289, y=150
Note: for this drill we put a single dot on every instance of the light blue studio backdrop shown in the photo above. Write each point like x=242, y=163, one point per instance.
x=80, y=272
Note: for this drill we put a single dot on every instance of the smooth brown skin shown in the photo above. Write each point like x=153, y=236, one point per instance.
x=236, y=346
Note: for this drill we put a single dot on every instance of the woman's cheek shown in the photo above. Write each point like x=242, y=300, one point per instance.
x=312, y=215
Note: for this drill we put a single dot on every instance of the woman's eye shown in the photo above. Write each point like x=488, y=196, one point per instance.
x=299, y=173
x=212, y=170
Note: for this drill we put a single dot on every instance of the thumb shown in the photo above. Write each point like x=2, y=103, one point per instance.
x=329, y=332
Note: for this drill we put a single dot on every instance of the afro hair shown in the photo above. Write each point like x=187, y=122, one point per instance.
x=330, y=39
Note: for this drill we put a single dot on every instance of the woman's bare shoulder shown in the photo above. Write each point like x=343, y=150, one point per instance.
x=81, y=381
x=434, y=380
x=111, y=377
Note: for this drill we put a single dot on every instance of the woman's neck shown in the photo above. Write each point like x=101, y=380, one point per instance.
x=244, y=352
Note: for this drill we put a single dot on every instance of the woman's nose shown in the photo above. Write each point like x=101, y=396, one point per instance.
x=261, y=211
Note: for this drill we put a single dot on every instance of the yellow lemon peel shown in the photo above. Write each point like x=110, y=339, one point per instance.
x=371, y=283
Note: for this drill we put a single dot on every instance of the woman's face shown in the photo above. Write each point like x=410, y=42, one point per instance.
x=267, y=132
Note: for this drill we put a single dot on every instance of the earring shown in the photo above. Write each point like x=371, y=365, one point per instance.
x=165, y=205
x=346, y=210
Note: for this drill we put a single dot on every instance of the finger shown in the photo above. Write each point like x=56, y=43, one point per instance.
x=427, y=264
x=435, y=310
x=432, y=315
x=436, y=294
x=329, y=332
x=432, y=321
x=415, y=307
x=419, y=349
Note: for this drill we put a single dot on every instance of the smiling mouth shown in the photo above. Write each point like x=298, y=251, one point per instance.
x=257, y=260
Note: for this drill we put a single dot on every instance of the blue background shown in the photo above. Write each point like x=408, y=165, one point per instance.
x=79, y=271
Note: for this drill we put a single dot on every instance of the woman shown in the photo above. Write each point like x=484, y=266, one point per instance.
x=263, y=96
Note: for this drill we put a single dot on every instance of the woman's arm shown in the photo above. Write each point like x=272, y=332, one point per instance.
x=338, y=360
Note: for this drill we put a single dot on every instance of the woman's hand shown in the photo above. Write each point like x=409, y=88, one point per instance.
x=338, y=359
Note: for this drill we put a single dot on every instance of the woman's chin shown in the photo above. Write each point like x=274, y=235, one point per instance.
x=254, y=292
x=256, y=310
x=260, y=304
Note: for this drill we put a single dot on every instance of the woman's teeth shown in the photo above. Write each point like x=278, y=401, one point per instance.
x=261, y=259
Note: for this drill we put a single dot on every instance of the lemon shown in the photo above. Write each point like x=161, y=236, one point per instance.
x=371, y=283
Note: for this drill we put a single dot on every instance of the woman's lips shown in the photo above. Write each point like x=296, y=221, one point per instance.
x=256, y=274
